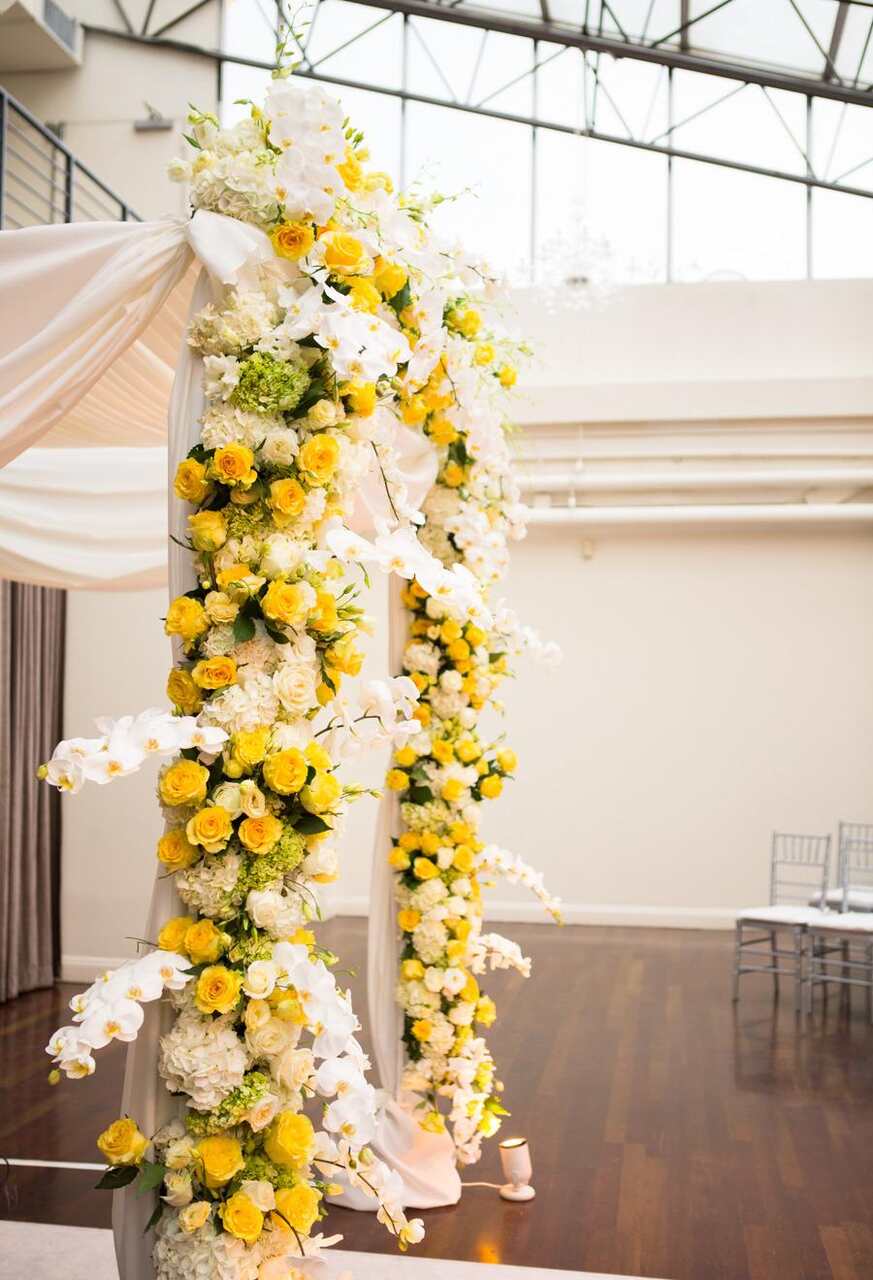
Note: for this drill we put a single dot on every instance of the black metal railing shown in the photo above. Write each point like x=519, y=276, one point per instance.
x=41, y=181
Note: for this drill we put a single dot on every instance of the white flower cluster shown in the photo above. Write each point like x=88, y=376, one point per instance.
x=493, y=860
x=111, y=1008
x=124, y=745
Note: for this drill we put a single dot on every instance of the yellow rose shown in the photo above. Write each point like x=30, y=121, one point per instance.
x=425, y=869
x=286, y=602
x=286, y=500
x=242, y=1217
x=397, y=780
x=414, y=410
x=462, y=859
x=483, y=353
x=486, y=1011
x=389, y=277
x=285, y=771
x=317, y=756
x=405, y=757
x=422, y=1029
x=221, y=1158
x=461, y=832
x=467, y=322
x=344, y=657
x=399, y=859
x=290, y=1140
x=122, y=1142
x=172, y=936
x=297, y=1207
x=324, y=615
x=410, y=841
x=318, y=458
x=293, y=240
x=441, y=431
x=191, y=483
x=214, y=673
x=470, y=990
x=204, y=943
x=194, y=1216
x=467, y=750
x=412, y=970
x=321, y=793
x=408, y=919
x=364, y=296
x=183, y=692
x=208, y=530
x=452, y=790
x=184, y=783
x=507, y=759
x=350, y=171
x=507, y=374
x=259, y=835
x=250, y=748
x=233, y=464
x=430, y=842
x=175, y=851
x=491, y=786
x=210, y=827
x=217, y=989
x=345, y=255
x=361, y=397
x=186, y=618
x=442, y=750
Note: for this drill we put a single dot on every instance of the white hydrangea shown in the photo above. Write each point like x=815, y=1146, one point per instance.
x=207, y=888
x=422, y=656
x=429, y=940
x=223, y=424
x=243, y=706
x=206, y=1254
x=235, y=326
x=203, y=1058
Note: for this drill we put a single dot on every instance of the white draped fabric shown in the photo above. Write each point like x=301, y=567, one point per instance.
x=95, y=369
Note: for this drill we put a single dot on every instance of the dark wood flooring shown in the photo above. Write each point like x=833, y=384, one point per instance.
x=671, y=1137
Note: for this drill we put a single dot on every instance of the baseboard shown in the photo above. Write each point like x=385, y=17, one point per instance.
x=579, y=913
x=86, y=968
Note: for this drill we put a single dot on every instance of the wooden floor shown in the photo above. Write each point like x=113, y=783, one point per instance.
x=670, y=1136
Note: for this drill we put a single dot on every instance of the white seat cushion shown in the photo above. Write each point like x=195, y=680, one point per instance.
x=780, y=914
x=844, y=921
x=859, y=899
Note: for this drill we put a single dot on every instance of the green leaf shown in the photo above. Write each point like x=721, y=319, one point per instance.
x=401, y=299
x=118, y=1176
x=309, y=824
x=243, y=628
x=151, y=1176
x=420, y=795
x=278, y=636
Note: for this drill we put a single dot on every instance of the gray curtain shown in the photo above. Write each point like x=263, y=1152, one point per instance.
x=31, y=722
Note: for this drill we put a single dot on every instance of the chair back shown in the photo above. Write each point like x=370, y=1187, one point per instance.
x=799, y=868
x=855, y=860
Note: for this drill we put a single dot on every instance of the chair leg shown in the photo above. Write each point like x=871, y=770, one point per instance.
x=798, y=970
x=738, y=950
x=773, y=948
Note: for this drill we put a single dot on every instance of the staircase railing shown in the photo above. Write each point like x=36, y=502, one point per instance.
x=41, y=181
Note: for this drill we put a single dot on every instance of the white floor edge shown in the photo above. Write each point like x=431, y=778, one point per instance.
x=39, y=1252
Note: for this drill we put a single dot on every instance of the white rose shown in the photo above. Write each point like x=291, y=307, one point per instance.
x=261, y=1194
x=294, y=685
x=433, y=979
x=177, y=1189
x=220, y=607
x=262, y=1113
x=261, y=978
x=269, y=1040
x=324, y=413
x=451, y=681
x=462, y=1014
x=252, y=801
x=280, y=447
x=292, y=1068
x=179, y=1153
x=454, y=981
x=227, y=795
x=272, y=911
x=280, y=555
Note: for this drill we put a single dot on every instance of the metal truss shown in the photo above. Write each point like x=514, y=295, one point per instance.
x=602, y=45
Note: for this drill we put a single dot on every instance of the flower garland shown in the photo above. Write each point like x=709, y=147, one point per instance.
x=444, y=773
x=308, y=361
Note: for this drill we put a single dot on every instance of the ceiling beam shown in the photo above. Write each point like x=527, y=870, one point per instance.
x=468, y=15
x=836, y=40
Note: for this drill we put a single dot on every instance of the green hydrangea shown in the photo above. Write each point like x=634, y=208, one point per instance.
x=250, y=947
x=243, y=521
x=229, y=1113
x=259, y=1169
x=268, y=385
x=260, y=870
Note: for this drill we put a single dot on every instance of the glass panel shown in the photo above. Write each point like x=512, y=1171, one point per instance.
x=739, y=122
x=736, y=225
x=372, y=40
x=236, y=83
x=765, y=33
x=444, y=45
x=248, y=31
x=842, y=246
x=843, y=143
x=504, y=81
x=489, y=159
x=601, y=211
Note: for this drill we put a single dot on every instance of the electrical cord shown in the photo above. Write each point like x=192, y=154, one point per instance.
x=494, y=1185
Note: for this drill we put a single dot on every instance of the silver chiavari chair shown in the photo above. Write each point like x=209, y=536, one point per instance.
x=855, y=866
x=840, y=948
x=799, y=868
